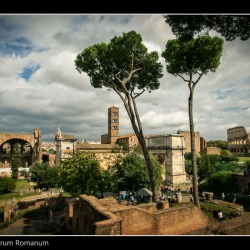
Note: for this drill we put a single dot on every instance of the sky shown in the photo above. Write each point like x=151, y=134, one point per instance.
x=41, y=88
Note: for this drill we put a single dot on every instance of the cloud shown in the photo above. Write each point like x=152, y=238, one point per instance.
x=40, y=86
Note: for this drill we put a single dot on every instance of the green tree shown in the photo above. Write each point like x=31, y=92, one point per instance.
x=230, y=166
x=125, y=66
x=106, y=183
x=7, y=184
x=227, y=156
x=248, y=164
x=15, y=164
x=207, y=165
x=223, y=145
x=221, y=182
x=44, y=175
x=132, y=173
x=81, y=174
x=25, y=174
x=229, y=26
x=193, y=59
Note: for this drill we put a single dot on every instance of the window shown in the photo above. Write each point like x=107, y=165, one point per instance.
x=67, y=147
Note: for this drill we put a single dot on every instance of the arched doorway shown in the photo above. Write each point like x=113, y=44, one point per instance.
x=16, y=148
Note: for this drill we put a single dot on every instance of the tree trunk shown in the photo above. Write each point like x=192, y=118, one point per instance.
x=134, y=117
x=150, y=167
x=193, y=153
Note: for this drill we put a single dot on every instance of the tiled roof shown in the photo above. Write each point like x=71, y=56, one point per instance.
x=126, y=135
x=68, y=137
x=96, y=146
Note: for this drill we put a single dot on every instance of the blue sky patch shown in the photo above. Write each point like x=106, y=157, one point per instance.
x=19, y=46
x=29, y=71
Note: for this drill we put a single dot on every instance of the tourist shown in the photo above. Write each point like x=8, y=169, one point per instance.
x=220, y=215
x=223, y=196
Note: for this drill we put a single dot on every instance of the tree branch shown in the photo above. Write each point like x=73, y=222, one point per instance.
x=182, y=78
x=138, y=94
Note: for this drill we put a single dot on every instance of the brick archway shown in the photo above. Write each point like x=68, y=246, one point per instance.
x=25, y=146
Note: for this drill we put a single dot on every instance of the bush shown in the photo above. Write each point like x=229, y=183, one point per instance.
x=7, y=184
x=222, y=182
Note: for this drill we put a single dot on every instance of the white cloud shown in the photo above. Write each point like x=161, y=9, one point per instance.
x=56, y=95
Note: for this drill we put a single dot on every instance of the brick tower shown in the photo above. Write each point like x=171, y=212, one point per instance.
x=113, y=124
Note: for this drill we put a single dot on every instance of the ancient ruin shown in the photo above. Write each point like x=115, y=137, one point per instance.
x=26, y=147
x=170, y=151
x=87, y=215
x=238, y=141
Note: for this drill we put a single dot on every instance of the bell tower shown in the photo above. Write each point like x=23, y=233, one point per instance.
x=113, y=124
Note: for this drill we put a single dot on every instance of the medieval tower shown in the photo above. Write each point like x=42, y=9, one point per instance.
x=113, y=125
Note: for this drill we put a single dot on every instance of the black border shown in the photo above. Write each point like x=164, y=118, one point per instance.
x=126, y=7
x=130, y=242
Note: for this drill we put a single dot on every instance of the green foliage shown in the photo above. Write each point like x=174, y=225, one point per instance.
x=218, y=143
x=229, y=158
x=221, y=182
x=81, y=174
x=188, y=167
x=207, y=165
x=7, y=184
x=208, y=209
x=248, y=164
x=196, y=56
x=131, y=173
x=229, y=167
x=104, y=63
x=188, y=156
x=15, y=164
x=229, y=26
x=225, y=152
x=44, y=175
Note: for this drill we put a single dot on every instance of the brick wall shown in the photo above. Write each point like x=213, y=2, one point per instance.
x=213, y=150
x=95, y=217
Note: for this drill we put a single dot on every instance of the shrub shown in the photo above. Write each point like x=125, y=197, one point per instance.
x=7, y=184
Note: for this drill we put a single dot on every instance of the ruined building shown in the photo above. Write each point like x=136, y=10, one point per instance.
x=200, y=144
x=24, y=146
x=87, y=215
x=238, y=141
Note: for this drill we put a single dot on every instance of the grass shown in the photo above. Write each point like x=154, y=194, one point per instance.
x=244, y=159
x=22, y=184
x=208, y=209
x=17, y=196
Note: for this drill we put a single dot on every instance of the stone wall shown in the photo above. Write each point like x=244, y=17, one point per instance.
x=213, y=150
x=93, y=218
x=186, y=135
x=108, y=217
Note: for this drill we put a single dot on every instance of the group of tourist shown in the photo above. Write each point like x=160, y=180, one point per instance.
x=129, y=197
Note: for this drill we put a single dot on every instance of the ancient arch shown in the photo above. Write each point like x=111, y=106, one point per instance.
x=26, y=147
x=169, y=149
